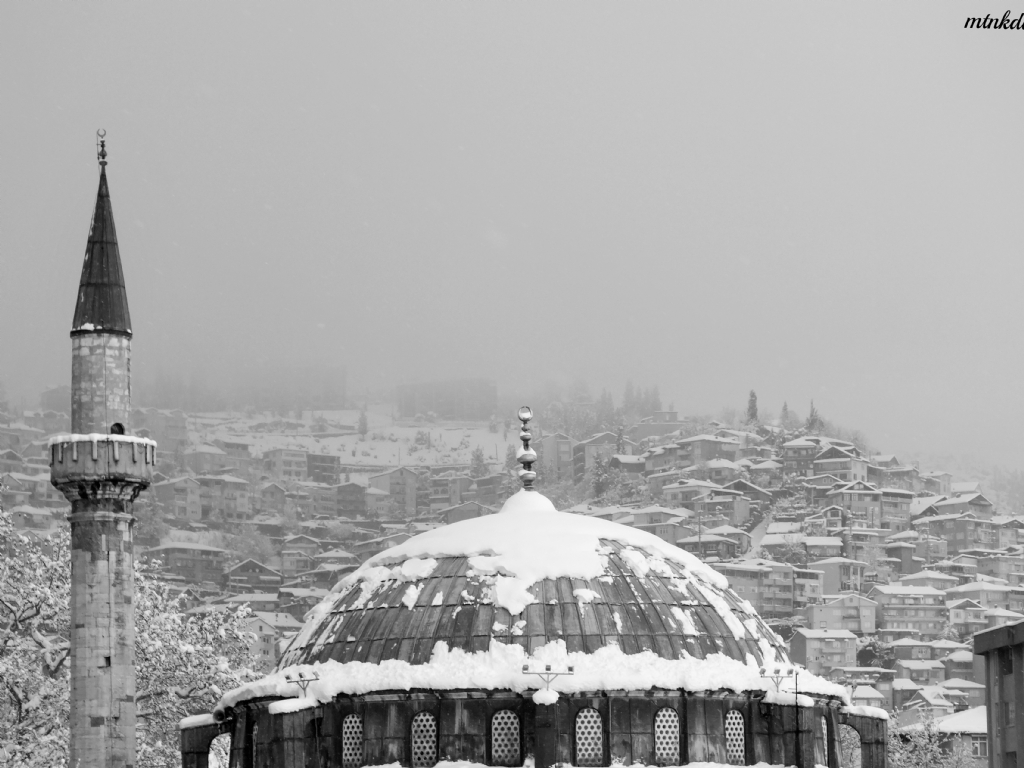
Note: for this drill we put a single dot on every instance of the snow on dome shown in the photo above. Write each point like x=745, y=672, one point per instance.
x=529, y=501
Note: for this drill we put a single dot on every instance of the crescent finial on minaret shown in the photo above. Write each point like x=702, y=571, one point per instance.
x=101, y=147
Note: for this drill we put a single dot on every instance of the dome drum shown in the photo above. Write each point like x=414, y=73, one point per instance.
x=658, y=727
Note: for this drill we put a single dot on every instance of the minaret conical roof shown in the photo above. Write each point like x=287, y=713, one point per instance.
x=102, y=299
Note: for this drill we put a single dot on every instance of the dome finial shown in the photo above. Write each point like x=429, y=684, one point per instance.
x=526, y=455
x=101, y=147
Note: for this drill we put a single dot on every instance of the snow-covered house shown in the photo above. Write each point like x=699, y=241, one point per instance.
x=535, y=635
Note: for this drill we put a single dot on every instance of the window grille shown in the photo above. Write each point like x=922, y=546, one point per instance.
x=666, y=737
x=424, y=740
x=505, y=738
x=735, y=739
x=589, y=738
x=352, y=741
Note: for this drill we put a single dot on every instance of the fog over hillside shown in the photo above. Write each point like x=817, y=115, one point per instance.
x=817, y=205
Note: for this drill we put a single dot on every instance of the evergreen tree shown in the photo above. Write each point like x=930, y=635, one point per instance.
x=600, y=477
x=364, y=426
x=478, y=463
x=510, y=458
x=784, y=416
x=752, y=408
x=814, y=421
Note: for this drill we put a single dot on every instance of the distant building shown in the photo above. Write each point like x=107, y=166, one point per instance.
x=194, y=562
x=404, y=486
x=603, y=446
x=920, y=609
x=180, y=497
x=821, y=650
x=841, y=574
x=554, y=455
x=852, y=612
x=323, y=468
x=286, y=464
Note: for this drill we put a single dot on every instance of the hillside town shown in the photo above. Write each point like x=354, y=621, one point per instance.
x=875, y=571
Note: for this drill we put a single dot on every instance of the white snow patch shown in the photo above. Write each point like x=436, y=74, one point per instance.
x=194, y=721
x=412, y=595
x=417, y=568
x=511, y=543
x=585, y=596
x=500, y=668
x=727, y=614
x=291, y=705
x=438, y=599
x=689, y=628
x=545, y=696
x=618, y=621
x=512, y=594
x=875, y=712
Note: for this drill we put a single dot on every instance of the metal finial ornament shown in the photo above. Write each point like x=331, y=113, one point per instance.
x=101, y=147
x=526, y=455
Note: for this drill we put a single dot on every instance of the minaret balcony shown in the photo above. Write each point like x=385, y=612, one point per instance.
x=85, y=460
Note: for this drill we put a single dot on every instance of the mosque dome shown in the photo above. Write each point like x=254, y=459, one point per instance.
x=530, y=576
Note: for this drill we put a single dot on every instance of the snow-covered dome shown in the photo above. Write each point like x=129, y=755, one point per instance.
x=530, y=576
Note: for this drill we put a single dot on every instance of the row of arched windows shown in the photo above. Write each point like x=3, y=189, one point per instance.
x=590, y=737
x=506, y=744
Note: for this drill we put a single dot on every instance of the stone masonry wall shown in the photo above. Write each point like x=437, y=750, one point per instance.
x=101, y=391
x=102, y=635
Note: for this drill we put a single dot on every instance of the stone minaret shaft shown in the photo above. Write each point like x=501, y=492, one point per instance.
x=101, y=469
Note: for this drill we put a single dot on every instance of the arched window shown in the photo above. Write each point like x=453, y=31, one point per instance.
x=589, y=738
x=666, y=737
x=505, y=749
x=352, y=741
x=735, y=738
x=849, y=747
x=424, y=740
x=220, y=751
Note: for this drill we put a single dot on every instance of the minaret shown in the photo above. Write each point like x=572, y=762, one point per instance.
x=101, y=468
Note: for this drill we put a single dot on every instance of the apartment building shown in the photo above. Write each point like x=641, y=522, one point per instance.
x=840, y=574
x=194, y=562
x=768, y=585
x=180, y=497
x=918, y=609
x=286, y=464
x=861, y=500
x=846, y=465
x=224, y=496
x=852, y=612
x=896, y=509
x=822, y=650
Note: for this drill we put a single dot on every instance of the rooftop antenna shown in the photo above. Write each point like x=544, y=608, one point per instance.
x=101, y=147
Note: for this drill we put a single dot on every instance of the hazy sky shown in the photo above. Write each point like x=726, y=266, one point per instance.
x=812, y=200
